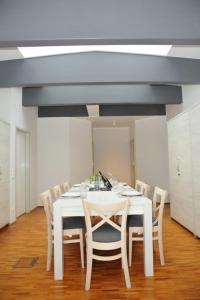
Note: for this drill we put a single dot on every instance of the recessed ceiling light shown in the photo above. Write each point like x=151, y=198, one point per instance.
x=134, y=49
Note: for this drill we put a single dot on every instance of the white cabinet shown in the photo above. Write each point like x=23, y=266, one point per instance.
x=4, y=173
x=195, y=149
x=184, y=168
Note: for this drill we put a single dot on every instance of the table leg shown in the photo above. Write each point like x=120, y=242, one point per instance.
x=148, y=240
x=58, y=244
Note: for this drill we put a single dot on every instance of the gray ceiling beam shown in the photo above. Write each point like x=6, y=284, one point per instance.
x=104, y=94
x=99, y=68
x=104, y=110
x=67, y=22
x=62, y=111
x=132, y=110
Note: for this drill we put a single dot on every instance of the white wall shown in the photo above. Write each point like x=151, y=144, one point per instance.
x=111, y=147
x=12, y=112
x=81, y=158
x=191, y=96
x=64, y=151
x=53, y=152
x=151, y=151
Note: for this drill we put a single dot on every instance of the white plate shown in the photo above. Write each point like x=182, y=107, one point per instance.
x=71, y=194
x=75, y=189
x=122, y=184
x=127, y=188
x=131, y=193
x=76, y=185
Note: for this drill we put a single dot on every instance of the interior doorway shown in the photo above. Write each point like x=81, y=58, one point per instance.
x=22, y=172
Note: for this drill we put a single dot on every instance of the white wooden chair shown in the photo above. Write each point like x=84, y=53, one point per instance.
x=143, y=188
x=146, y=190
x=135, y=224
x=106, y=235
x=56, y=192
x=138, y=185
x=71, y=226
x=65, y=187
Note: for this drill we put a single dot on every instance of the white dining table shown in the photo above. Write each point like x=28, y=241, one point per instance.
x=68, y=207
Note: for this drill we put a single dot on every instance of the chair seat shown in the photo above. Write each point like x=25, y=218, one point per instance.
x=73, y=222
x=106, y=234
x=137, y=221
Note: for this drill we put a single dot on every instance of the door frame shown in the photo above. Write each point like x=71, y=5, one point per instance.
x=27, y=167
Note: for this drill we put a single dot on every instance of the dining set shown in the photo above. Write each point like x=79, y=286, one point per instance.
x=103, y=220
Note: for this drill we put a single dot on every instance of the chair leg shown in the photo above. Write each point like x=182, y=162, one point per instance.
x=92, y=220
x=130, y=247
x=154, y=245
x=89, y=269
x=125, y=267
x=49, y=254
x=81, y=248
x=160, y=245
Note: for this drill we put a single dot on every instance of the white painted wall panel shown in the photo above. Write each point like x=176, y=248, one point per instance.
x=64, y=151
x=80, y=143
x=151, y=151
x=53, y=152
x=112, y=152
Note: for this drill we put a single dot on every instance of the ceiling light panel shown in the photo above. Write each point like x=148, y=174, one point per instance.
x=134, y=49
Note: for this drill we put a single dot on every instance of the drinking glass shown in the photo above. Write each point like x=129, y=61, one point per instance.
x=83, y=191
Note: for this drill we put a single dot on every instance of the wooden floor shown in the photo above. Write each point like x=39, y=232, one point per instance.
x=178, y=279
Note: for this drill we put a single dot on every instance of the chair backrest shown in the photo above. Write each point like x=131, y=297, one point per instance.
x=105, y=211
x=139, y=185
x=159, y=198
x=143, y=188
x=56, y=192
x=65, y=187
x=46, y=198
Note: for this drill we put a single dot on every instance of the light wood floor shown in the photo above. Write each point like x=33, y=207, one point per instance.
x=178, y=279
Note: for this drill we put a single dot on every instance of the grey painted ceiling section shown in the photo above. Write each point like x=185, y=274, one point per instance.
x=132, y=110
x=101, y=94
x=104, y=110
x=67, y=22
x=99, y=68
x=63, y=111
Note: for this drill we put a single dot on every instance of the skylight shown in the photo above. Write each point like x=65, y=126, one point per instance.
x=134, y=49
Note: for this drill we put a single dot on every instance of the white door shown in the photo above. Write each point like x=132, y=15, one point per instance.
x=4, y=173
x=20, y=172
x=180, y=166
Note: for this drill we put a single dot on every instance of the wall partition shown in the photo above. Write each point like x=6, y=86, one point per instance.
x=64, y=151
x=111, y=148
